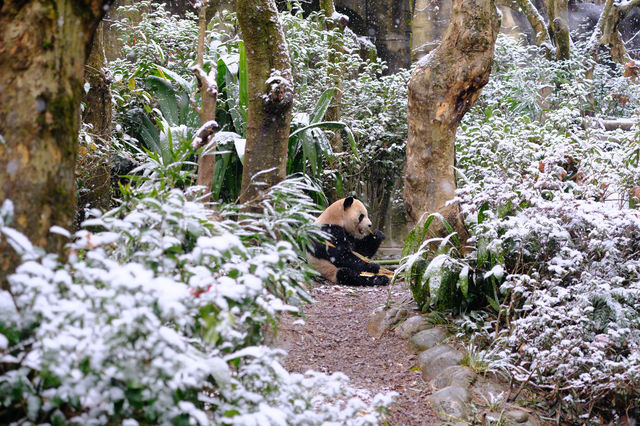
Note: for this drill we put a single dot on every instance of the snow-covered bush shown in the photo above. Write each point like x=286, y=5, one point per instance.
x=549, y=196
x=548, y=199
x=159, y=315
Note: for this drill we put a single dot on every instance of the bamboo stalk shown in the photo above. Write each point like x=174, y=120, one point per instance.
x=383, y=271
x=388, y=262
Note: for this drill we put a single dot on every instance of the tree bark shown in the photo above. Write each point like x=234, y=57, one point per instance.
x=558, y=11
x=536, y=21
x=270, y=96
x=443, y=87
x=208, y=88
x=606, y=36
x=98, y=109
x=333, y=112
x=43, y=51
x=94, y=165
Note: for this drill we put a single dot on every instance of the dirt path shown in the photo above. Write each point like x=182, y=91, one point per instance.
x=334, y=338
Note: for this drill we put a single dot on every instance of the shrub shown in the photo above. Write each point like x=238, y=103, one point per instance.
x=159, y=316
x=547, y=200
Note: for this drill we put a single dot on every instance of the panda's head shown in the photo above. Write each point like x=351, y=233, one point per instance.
x=349, y=213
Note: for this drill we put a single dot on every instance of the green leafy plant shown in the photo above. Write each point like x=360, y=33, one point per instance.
x=159, y=313
x=441, y=277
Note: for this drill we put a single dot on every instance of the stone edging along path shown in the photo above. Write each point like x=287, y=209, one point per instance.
x=460, y=395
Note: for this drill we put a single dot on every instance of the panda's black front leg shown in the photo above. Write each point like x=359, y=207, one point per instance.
x=347, y=276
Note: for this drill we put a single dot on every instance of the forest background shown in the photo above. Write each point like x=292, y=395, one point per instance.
x=154, y=307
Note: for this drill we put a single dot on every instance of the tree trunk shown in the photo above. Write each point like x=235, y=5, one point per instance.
x=43, y=51
x=270, y=96
x=333, y=112
x=443, y=87
x=606, y=36
x=558, y=11
x=94, y=165
x=536, y=21
x=336, y=74
x=208, y=88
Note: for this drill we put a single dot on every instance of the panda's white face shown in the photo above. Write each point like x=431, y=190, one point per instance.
x=349, y=213
x=356, y=220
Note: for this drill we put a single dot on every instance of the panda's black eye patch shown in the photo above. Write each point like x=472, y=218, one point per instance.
x=361, y=218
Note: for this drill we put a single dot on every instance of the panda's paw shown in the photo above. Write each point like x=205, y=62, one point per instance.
x=378, y=235
x=380, y=280
x=372, y=267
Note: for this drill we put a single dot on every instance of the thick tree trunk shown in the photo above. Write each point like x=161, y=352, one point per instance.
x=443, y=87
x=270, y=96
x=606, y=36
x=43, y=50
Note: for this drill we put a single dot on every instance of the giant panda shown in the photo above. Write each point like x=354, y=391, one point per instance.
x=348, y=223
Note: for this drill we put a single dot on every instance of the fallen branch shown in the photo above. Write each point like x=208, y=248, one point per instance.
x=610, y=125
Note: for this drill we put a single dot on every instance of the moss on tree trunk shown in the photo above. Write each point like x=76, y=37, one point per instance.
x=43, y=50
x=270, y=96
x=558, y=11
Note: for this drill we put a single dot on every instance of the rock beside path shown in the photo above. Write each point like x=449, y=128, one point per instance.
x=383, y=320
x=427, y=339
x=434, y=360
x=452, y=403
x=457, y=375
x=411, y=326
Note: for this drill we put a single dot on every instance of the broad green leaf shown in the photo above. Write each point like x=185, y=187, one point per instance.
x=425, y=227
x=243, y=79
x=494, y=304
x=410, y=243
x=219, y=172
x=166, y=97
x=221, y=75
x=309, y=152
x=323, y=104
x=173, y=76
x=240, y=145
x=463, y=282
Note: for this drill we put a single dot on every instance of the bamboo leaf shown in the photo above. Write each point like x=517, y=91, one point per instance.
x=482, y=216
x=323, y=104
x=493, y=303
x=243, y=79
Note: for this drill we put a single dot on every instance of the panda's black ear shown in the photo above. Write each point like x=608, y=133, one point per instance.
x=348, y=202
